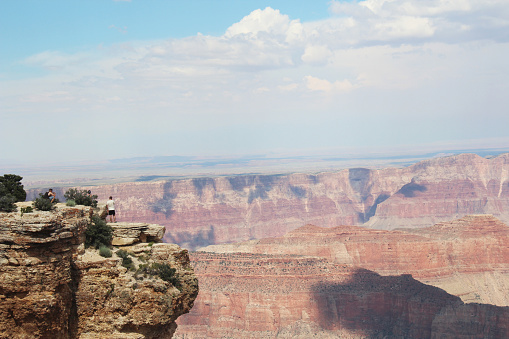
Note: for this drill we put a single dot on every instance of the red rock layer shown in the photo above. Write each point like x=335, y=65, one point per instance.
x=254, y=296
x=474, y=243
x=475, y=246
x=202, y=211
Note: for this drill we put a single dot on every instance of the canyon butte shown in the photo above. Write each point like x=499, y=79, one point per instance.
x=51, y=287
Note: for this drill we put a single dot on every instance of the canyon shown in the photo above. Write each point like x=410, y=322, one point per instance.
x=52, y=287
x=420, y=251
x=204, y=211
x=450, y=280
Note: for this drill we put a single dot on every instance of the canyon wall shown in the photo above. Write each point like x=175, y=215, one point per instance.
x=450, y=280
x=202, y=211
x=51, y=287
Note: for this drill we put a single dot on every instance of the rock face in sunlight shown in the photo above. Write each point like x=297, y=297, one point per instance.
x=203, y=211
x=348, y=281
x=51, y=287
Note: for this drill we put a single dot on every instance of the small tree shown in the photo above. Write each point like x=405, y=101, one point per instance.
x=98, y=233
x=81, y=197
x=11, y=191
x=12, y=185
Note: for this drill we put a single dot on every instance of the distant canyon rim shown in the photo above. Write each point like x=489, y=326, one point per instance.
x=203, y=211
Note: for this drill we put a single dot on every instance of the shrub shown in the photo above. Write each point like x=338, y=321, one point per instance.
x=167, y=273
x=163, y=271
x=70, y=203
x=44, y=204
x=98, y=233
x=7, y=203
x=27, y=209
x=81, y=197
x=127, y=262
x=105, y=252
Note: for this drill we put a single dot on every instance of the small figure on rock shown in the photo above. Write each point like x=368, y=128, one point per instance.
x=111, y=210
x=51, y=195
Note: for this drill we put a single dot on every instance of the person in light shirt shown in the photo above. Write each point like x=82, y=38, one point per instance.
x=111, y=210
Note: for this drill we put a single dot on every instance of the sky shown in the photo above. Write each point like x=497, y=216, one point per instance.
x=103, y=79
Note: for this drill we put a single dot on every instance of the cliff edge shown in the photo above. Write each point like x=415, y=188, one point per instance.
x=51, y=287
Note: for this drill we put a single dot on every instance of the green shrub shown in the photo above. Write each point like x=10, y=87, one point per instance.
x=167, y=273
x=163, y=271
x=70, y=203
x=127, y=262
x=105, y=252
x=98, y=233
x=44, y=204
x=7, y=203
x=27, y=209
x=81, y=197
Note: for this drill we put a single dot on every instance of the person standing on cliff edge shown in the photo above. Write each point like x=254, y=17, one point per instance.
x=111, y=210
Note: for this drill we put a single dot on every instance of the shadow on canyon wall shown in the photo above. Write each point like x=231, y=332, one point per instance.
x=192, y=240
x=377, y=306
x=165, y=204
x=409, y=190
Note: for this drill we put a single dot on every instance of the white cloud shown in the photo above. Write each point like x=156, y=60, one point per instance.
x=269, y=65
x=267, y=24
x=397, y=21
x=316, y=54
x=322, y=85
x=289, y=87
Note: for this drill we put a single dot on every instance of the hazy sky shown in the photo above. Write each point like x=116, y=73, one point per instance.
x=104, y=79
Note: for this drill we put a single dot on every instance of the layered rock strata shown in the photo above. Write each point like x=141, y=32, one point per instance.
x=450, y=280
x=51, y=287
x=468, y=257
x=280, y=296
x=203, y=211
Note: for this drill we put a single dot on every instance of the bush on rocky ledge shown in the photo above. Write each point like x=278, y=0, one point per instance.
x=81, y=197
x=44, y=204
x=98, y=233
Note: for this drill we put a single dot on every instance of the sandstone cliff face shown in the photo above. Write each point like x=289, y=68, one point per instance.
x=348, y=281
x=50, y=287
x=202, y=211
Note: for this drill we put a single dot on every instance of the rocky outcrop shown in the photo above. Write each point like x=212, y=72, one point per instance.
x=202, y=211
x=132, y=233
x=450, y=280
x=51, y=287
